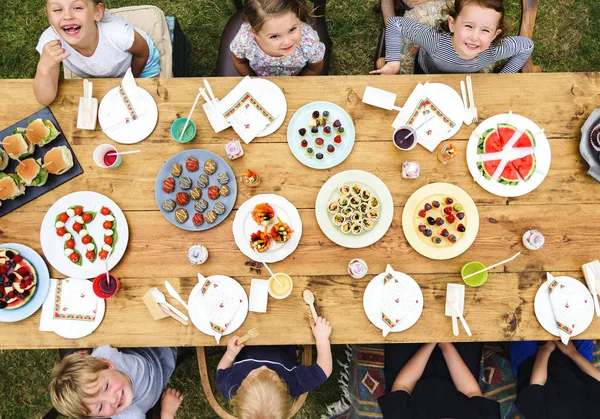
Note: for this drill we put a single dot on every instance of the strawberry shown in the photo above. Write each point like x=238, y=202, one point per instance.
x=422, y=213
x=450, y=218
x=448, y=210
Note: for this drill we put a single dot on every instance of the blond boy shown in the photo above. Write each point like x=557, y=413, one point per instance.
x=117, y=383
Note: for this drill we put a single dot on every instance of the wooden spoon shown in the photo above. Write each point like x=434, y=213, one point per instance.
x=309, y=299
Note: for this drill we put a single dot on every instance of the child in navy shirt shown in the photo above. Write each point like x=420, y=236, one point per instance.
x=261, y=381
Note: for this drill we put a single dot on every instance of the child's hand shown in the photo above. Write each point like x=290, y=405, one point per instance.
x=233, y=348
x=548, y=347
x=391, y=67
x=321, y=330
x=568, y=350
x=170, y=402
x=52, y=54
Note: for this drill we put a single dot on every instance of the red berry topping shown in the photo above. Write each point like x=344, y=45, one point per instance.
x=461, y=228
x=448, y=210
x=422, y=213
x=337, y=139
x=304, y=143
x=319, y=142
x=450, y=218
x=449, y=200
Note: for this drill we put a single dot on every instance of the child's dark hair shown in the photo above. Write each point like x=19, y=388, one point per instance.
x=454, y=7
x=257, y=12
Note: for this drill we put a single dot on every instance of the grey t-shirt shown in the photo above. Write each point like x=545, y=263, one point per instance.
x=148, y=369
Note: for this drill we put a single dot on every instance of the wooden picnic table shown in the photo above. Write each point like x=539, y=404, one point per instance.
x=565, y=208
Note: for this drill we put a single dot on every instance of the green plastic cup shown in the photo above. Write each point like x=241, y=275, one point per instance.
x=177, y=128
x=471, y=267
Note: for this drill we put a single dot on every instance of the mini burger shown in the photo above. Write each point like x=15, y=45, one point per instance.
x=17, y=146
x=58, y=160
x=31, y=172
x=41, y=132
x=3, y=159
x=10, y=186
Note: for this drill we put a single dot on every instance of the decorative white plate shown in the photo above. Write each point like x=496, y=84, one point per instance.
x=42, y=287
x=372, y=301
x=74, y=329
x=196, y=305
x=411, y=221
x=276, y=96
x=543, y=307
x=450, y=105
x=244, y=226
x=543, y=156
x=53, y=245
x=329, y=192
x=301, y=119
x=135, y=131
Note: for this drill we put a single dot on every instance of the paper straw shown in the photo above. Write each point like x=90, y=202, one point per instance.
x=272, y=274
x=491, y=267
x=112, y=153
x=106, y=267
x=415, y=129
x=209, y=90
x=203, y=93
x=187, y=121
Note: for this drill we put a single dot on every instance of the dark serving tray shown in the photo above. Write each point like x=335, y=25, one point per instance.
x=32, y=192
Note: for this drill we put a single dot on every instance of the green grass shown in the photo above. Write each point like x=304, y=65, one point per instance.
x=565, y=40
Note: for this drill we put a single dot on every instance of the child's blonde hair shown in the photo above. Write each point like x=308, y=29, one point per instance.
x=454, y=7
x=262, y=396
x=257, y=12
x=69, y=379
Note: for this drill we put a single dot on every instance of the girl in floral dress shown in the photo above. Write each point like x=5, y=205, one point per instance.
x=276, y=40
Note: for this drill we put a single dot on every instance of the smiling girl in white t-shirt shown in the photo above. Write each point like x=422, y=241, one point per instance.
x=91, y=44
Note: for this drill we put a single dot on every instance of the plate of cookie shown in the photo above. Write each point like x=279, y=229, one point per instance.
x=321, y=135
x=195, y=190
x=440, y=221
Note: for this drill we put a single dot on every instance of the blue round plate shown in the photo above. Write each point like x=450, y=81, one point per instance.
x=42, y=288
x=301, y=119
x=202, y=155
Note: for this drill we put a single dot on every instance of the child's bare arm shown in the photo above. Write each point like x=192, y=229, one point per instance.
x=242, y=66
x=140, y=53
x=312, y=69
x=539, y=374
x=583, y=364
x=45, y=83
x=322, y=330
x=407, y=378
x=460, y=373
x=233, y=349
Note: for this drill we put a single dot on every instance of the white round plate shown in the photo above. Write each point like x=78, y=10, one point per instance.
x=135, y=131
x=76, y=329
x=278, y=98
x=42, y=287
x=545, y=314
x=543, y=156
x=53, y=245
x=411, y=220
x=372, y=301
x=301, y=119
x=447, y=100
x=201, y=155
x=244, y=226
x=329, y=192
x=196, y=305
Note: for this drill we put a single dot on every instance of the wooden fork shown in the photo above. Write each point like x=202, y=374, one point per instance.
x=472, y=108
x=252, y=333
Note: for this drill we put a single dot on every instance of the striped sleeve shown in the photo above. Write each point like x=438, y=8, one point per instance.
x=400, y=27
x=518, y=49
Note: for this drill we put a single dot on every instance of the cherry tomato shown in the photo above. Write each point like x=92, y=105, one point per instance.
x=86, y=217
x=105, y=211
x=78, y=210
x=103, y=254
x=63, y=217
x=107, y=225
x=61, y=231
x=70, y=244
x=77, y=227
x=74, y=257
x=86, y=239
x=90, y=255
x=108, y=240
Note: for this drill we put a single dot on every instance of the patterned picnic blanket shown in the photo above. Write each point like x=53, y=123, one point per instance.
x=363, y=381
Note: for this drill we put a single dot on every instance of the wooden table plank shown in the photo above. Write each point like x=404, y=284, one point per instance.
x=564, y=207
